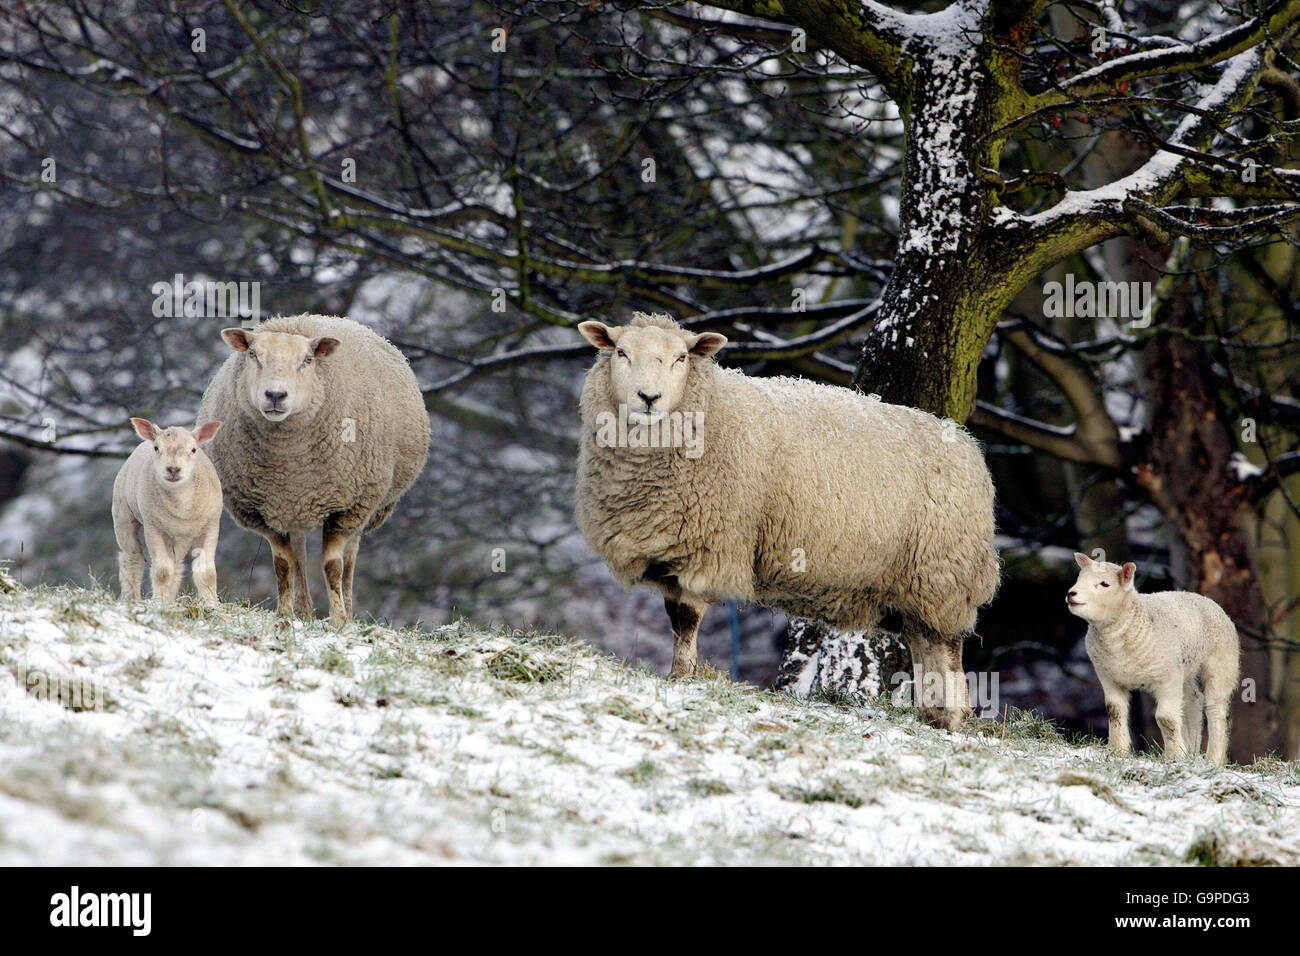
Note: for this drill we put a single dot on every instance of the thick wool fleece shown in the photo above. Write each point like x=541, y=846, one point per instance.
x=808, y=498
x=1156, y=637
x=352, y=453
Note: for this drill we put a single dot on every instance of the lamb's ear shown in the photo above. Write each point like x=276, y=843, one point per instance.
x=236, y=338
x=708, y=343
x=324, y=346
x=1081, y=559
x=599, y=334
x=1126, y=576
x=206, y=431
x=145, y=428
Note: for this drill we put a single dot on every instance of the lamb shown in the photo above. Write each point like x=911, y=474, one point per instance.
x=167, y=500
x=1162, y=643
x=325, y=428
x=809, y=498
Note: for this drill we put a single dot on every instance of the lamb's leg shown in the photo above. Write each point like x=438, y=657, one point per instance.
x=349, y=566
x=685, y=612
x=1117, y=702
x=203, y=565
x=130, y=556
x=1220, y=678
x=164, y=572
x=302, y=605
x=1169, y=717
x=939, y=687
x=283, y=559
x=333, y=544
x=1193, y=716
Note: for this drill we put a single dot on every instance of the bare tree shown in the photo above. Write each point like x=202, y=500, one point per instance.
x=736, y=165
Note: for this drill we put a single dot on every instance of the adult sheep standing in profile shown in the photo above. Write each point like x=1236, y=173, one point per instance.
x=325, y=427
x=813, y=499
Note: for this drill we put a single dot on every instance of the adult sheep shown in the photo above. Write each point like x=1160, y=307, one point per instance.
x=812, y=499
x=325, y=428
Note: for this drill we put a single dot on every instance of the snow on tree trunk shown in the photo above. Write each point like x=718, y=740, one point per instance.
x=952, y=276
x=945, y=293
x=816, y=658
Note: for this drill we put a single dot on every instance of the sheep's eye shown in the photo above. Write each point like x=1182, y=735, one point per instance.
x=305, y=362
x=1103, y=584
x=194, y=449
x=622, y=354
x=155, y=447
x=682, y=357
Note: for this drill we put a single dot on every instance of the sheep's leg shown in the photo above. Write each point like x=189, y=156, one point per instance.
x=684, y=613
x=1117, y=703
x=130, y=555
x=333, y=545
x=302, y=605
x=164, y=575
x=349, y=565
x=1169, y=717
x=1220, y=680
x=130, y=574
x=203, y=565
x=939, y=687
x=283, y=559
x=1193, y=716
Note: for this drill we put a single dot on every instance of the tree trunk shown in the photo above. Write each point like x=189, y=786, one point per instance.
x=953, y=275
x=1183, y=467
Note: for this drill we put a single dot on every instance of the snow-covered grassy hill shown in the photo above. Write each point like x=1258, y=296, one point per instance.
x=152, y=735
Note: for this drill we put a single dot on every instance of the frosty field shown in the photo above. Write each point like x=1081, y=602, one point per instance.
x=151, y=735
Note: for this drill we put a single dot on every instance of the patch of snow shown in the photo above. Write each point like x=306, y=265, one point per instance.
x=220, y=738
x=1242, y=468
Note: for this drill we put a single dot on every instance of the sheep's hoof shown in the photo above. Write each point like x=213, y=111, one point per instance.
x=945, y=718
x=680, y=673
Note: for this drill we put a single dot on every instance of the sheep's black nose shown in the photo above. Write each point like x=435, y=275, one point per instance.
x=1073, y=594
x=173, y=471
x=649, y=399
x=276, y=397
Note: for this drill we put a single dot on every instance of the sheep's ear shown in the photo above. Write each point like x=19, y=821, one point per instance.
x=206, y=431
x=708, y=343
x=599, y=334
x=237, y=339
x=324, y=346
x=1081, y=559
x=1126, y=576
x=145, y=428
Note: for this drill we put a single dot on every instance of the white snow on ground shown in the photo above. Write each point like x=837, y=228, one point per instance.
x=217, y=738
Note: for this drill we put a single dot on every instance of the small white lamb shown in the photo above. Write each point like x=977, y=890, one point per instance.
x=167, y=499
x=1161, y=643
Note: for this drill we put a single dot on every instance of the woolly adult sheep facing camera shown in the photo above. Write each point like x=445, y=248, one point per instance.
x=1179, y=646
x=804, y=497
x=167, y=502
x=325, y=428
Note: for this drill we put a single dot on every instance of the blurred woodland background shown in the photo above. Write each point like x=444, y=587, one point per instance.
x=474, y=178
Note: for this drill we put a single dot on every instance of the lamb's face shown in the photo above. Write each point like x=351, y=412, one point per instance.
x=279, y=376
x=1101, y=589
x=650, y=366
x=175, y=449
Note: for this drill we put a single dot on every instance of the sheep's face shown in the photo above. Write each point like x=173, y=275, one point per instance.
x=649, y=366
x=1101, y=590
x=175, y=450
x=279, y=376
